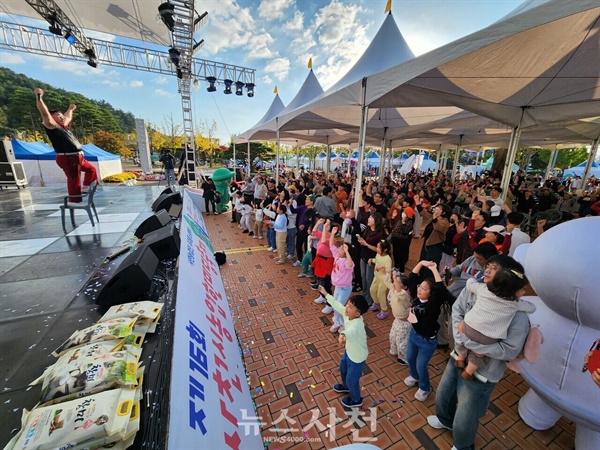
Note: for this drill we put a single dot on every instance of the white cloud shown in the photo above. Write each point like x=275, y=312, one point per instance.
x=11, y=58
x=267, y=80
x=303, y=43
x=164, y=93
x=78, y=68
x=337, y=22
x=161, y=80
x=100, y=36
x=279, y=68
x=111, y=83
x=136, y=83
x=296, y=23
x=273, y=9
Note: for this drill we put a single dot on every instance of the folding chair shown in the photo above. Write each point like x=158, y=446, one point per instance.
x=87, y=204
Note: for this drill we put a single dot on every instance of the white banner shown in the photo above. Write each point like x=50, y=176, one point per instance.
x=210, y=397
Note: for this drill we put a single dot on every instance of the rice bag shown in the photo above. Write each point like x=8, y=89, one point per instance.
x=84, y=423
x=145, y=309
x=85, y=375
x=132, y=427
x=101, y=331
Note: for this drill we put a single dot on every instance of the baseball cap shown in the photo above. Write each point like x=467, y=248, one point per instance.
x=495, y=229
x=495, y=211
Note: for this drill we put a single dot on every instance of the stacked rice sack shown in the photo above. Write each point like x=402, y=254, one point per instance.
x=91, y=395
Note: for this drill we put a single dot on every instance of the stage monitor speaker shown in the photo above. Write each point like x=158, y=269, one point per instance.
x=165, y=242
x=167, y=191
x=165, y=201
x=6, y=151
x=132, y=280
x=153, y=223
x=12, y=174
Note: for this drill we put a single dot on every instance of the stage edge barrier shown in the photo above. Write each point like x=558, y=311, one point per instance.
x=211, y=407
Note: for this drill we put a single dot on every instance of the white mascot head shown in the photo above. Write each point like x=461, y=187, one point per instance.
x=563, y=266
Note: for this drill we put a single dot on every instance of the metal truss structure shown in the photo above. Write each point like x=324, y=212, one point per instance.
x=64, y=39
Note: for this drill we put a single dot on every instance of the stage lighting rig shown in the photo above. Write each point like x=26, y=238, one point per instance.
x=250, y=89
x=239, y=88
x=200, y=21
x=211, y=82
x=62, y=25
x=228, y=84
x=166, y=13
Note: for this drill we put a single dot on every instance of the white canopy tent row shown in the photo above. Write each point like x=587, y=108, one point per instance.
x=537, y=67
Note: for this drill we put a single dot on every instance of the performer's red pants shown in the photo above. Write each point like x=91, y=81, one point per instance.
x=72, y=166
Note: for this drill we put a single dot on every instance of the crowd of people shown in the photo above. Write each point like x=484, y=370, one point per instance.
x=466, y=234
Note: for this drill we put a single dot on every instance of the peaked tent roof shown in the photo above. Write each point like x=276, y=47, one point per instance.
x=276, y=106
x=541, y=63
x=387, y=49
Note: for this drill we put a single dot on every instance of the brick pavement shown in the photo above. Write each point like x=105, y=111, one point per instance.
x=292, y=360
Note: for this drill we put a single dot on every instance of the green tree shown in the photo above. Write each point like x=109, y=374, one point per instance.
x=110, y=142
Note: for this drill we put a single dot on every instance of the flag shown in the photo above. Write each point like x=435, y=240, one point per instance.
x=388, y=7
x=275, y=91
x=310, y=63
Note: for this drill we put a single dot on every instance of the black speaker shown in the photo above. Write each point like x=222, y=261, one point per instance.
x=167, y=191
x=12, y=174
x=6, y=152
x=164, y=242
x=165, y=201
x=153, y=223
x=132, y=280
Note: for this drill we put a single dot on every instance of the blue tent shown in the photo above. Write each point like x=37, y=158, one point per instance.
x=38, y=162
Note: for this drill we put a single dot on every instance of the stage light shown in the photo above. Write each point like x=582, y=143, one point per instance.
x=196, y=83
x=239, y=88
x=92, y=58
x=250, y=89
x=54, y=27
x=211, y=82
x=174, y=55
x=228, y=84
x=200, y=20
x=166, y=12
x=197, y=46
x=70, y=38
x=179, y=73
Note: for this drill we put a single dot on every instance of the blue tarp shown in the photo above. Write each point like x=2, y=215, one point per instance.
x=93, y=153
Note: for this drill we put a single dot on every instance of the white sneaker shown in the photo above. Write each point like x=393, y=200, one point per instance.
x=270, y=249
x=328, y=309
x=410, y=381
x=422, y=395
x=260, y=237
x=297, y=264
x=254, y=237
x=302, y=275
x=434, y=422
x=274, y=250
x=290, y=256
x=334, y=328
x=319, y=300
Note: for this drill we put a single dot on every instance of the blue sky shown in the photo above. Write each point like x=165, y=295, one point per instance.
x=275, y=37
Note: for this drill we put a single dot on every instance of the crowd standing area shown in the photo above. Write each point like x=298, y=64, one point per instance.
x=348, y=321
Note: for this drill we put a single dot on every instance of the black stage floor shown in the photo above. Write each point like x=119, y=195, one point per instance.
x=48, y=279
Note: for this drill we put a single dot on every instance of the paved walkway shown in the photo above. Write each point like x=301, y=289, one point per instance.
x=292, y=360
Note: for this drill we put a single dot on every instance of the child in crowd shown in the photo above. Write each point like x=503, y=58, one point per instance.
x=400, y=303
x=258, y=223
x=378, y=290
x=497, y=303
x=280, y=228
x=323, y=262
x=245, y=210
x=354, y=337
x=269, y=230
x=341, y=278
x=237, y=199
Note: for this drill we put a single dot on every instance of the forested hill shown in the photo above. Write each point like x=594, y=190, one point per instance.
x=18, y=112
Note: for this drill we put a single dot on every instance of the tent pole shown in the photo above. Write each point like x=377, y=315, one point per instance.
x=550, y=162
x=510, y=157
x=391, y=159
x=382, y=157
x=234, y=163
x=277, y=153
x=362, y=136
x=328, y=165
x=297, y=159
x=456, y=159
x=248, y=158
x=477, y=158
x=590, y=161
x=437, y=160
